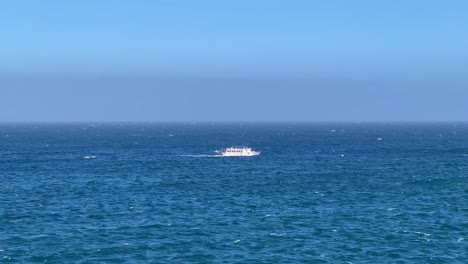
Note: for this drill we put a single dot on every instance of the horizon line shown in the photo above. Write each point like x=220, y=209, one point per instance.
x=242, y=122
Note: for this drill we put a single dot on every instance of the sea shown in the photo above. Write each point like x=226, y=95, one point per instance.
x=159, y=193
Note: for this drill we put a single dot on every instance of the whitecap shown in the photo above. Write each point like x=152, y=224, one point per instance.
x=461, y=239
x=422, y=233
x=277, y=234
x=237, y=241
x=89, y=157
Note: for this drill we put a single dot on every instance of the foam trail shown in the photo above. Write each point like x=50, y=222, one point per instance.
x=202, y=156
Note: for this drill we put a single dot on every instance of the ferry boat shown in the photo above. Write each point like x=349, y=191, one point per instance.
x=239, y=152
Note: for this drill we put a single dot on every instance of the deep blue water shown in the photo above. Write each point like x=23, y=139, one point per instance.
x=156, y=193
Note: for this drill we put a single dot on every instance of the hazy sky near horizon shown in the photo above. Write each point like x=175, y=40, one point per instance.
x=240, y=60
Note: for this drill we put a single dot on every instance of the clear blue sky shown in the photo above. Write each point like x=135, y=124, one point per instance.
x=176, y=60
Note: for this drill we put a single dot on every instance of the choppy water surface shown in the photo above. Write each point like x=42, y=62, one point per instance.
x=157, y=193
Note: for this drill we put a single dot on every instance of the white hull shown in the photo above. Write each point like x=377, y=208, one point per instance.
x=239, y=152
x=255, y=153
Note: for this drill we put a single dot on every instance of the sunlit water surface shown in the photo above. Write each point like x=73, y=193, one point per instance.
x=158, y=193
